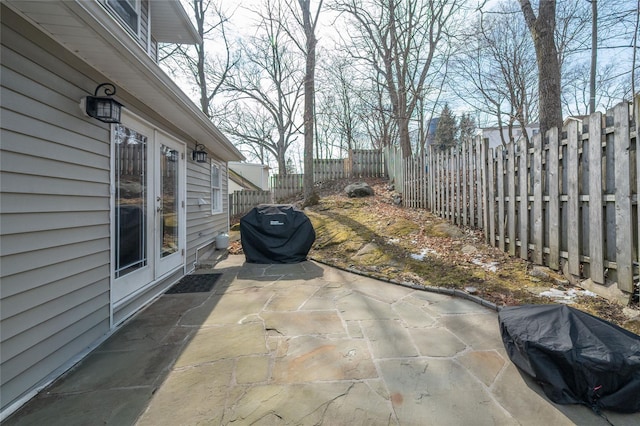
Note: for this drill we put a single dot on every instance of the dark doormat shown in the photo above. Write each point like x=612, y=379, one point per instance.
x=199, y=283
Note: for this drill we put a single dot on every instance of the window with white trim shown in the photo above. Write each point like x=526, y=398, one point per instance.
x=216, y=188
x=128, y=11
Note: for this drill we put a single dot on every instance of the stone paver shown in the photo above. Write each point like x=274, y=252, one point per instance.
x=439, y=392
x=317, y=359
x=223, y=342
x=304, y=322
x=389, y=339
x=303, y=344
x=436, y=342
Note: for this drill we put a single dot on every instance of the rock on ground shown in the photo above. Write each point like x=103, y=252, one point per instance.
x=360, y=189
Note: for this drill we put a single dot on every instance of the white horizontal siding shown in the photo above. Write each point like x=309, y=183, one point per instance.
x=54, y=210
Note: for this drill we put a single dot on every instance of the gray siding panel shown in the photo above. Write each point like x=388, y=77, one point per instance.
x=38, y=366
x=55, y=221
x=45, y=203
x=44, y=279
x=202, y=226
x=36, y=297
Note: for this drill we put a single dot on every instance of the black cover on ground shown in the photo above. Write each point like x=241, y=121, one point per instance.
x=276, y=233
x=576, y=357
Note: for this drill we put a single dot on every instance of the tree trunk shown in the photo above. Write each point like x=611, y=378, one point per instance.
x=405, y=140
x=282, y=162
x=310, y=197
x=542, y=31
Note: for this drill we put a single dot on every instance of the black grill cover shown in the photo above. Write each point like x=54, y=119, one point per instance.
x=276, y=233
x=576, y=357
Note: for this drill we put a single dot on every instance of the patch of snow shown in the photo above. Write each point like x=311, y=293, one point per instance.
x=394, y=240
x=423, y=254
x=491, y=266
x=566, y=296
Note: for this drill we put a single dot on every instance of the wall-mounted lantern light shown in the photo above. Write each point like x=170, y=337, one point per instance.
x=199, y=155
x=104, y=108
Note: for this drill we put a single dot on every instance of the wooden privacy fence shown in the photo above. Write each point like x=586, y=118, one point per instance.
x=569, y=203
x=285, y=186
x=330, y=169
x=366, y=163
x=243, y=201
x=360, y=164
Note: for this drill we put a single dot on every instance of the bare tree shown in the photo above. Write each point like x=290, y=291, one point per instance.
x=208, y=71
x=400, y=39
x=495, y=70
x=309, y=23
x=542, y=28
x=266, y=87
x=340, y=112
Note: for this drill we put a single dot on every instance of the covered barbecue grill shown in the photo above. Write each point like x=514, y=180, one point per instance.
x=576, y=357
x=276, y=233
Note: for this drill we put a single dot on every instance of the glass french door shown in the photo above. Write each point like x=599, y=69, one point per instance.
x=169, y=204
x=149, y=223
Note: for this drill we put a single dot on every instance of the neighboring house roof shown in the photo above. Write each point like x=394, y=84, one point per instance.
x=516, y=126
x=574, y=118
x=243, y=182
x=88, y=30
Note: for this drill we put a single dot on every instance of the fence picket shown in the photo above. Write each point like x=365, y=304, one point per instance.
x=490, y=199
x=501, y=198
x=573, y=214
x=465, y=200
x=596, y=240
x=511, y=214
x=623, y=216
x=537, y=175
x=523, y=206
x=554, y=200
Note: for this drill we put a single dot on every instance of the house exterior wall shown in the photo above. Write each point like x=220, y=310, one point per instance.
x=203, y=225
x=258, y=174
x=55, y=212
x=493, y=134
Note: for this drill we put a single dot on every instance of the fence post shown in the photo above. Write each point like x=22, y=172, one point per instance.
x=463, y=169
x=537, y=199
x=511, y=178
x=623, y=215
x=523, y=210
x=573, y=231
x=596, y=240
x=501, y=198
x=554, y=199
x=456, y=162
x=472, y=182
x=490, y=197
x=484, y=153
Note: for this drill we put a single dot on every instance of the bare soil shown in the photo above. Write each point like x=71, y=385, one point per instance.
x=375, y=236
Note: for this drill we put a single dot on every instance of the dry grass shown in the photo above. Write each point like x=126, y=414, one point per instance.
x=383, y=240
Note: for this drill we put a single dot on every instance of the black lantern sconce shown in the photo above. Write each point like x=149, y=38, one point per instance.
x=104, y=108
x=199, y=155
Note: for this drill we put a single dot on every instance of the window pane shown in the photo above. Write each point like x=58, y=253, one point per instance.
x=216, y=197
x=169, y=200
x=127, y=10
x=131, y=196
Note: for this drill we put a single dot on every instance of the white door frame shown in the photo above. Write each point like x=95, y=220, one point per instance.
x=132, y=284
